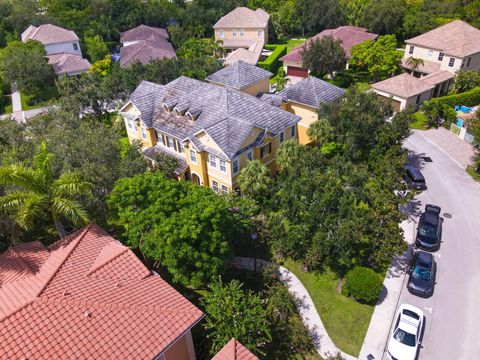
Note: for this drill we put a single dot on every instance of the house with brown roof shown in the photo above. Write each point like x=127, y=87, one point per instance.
x=88, y=297
x=62, y=47
x=243, y=33
x=144, y=44
x=348, y=35
x=234, y=350
x=444, y=51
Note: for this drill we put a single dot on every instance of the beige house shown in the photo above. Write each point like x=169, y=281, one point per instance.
x=212, y=130
x=243, y=33
x=444, y=51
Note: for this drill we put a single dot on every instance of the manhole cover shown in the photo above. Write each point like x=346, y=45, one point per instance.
x=427, y=159
x=447, y=215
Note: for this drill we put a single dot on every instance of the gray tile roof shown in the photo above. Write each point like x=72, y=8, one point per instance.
x=227, y=115
x=239, y=75
x=313, y=92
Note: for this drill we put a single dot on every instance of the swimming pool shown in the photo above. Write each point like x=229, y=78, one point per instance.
x=463, y=109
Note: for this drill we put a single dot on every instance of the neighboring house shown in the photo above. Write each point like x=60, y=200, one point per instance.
x=234, y=350
x=444, y=51
x=89, y=297
x=305, y=98
x=144, y=44
x=242, y=76
x=243, y=33
x=62, y=47
x=211, y=130
x=348, y=35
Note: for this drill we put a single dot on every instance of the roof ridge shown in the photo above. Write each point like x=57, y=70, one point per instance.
x=109, y=259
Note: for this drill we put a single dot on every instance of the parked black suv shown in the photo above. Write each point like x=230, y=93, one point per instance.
x=429, y=232
x=414, y=178
x=422, y=274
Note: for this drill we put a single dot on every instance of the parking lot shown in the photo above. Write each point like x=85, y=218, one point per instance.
x=453, y=312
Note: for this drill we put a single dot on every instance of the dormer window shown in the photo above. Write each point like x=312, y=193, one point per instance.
x=193, y=113
x=170, y=104
x=181, y=109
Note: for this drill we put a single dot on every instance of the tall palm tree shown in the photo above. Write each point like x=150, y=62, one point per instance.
x=415, y=63
x=32, y=192
x=254, y=179
x=282, y=80
x=321, y=132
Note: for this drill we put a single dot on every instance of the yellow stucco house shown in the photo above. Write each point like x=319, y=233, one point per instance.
x=243, y=33
x=304, y=99
x=212, y=130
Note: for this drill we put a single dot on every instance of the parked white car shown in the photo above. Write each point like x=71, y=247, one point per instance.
x=404, y=341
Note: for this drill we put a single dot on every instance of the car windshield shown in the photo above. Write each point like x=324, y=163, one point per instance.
x=428, y=230
x=404, y=337
x=421, y=274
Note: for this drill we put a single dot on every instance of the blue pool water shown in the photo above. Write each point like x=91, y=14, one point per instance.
x=464, y=109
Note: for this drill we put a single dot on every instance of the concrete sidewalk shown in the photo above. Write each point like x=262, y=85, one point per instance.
x=375, y=341
x=306, y=308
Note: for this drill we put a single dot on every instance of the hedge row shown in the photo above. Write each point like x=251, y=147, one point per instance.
x=468, y=98
x=272, y=63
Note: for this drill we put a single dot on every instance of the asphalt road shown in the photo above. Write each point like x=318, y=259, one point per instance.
x=452, y=328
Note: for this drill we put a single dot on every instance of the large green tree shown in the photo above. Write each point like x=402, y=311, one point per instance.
x=25, y=65
x=32, y=192
x=384, y=16
x=232, y=312
x=97, y=49
x=324, y=56
x=186, y=229
x=379, y=58
x=465, y=80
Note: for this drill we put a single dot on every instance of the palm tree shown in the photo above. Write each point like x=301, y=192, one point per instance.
x=282, y=80
x=414, y=63
x=32, y=192
x=254, y=179
x=321, y=132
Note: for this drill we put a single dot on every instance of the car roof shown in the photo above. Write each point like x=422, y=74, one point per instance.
x=407, y=322
x=417, y=175
x=425, y=257
x=431, y=218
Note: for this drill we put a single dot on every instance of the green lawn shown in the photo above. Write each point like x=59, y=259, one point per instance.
x=420, y=122
x=345, y=320
x=471, y=171
x=363, y=86
x=294, y=43
x=32, y=101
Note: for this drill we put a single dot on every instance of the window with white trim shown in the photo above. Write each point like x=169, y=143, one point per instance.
x=282, y=137
x=451, y=62
x=131, y=124
x=250, y=155
x=222, y=33
x=224, y=189
x=144, y=133
x=215, y=185
x=212, y=160
x=410, y=50
x=193, y=156
x=171, y=143
x=75, y=46
x=223, y=166
x=430, y=53
x=292, y=131
x=234, y=33
x=235, y=166
x=242, y=32
x=182, y=147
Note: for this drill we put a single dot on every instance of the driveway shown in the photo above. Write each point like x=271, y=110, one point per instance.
x=453, y=312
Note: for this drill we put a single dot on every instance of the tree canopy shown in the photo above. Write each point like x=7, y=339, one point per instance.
x=324, y=56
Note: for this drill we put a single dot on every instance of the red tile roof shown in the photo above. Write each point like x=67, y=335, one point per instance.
x=86, y=296
x=234, y=350
x=348, y=35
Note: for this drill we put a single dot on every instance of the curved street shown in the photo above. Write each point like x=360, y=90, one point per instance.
x=452, y=313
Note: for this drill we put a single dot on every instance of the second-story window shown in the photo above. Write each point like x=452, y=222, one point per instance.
x=451, y=62
x=282, y=137
x=234, y=33
x=260, y=33
x=223, y=166
x=213, y=161
x=182, y=148
x=410, y=50
x=171, y=144
x=440, y=56
x=292, y=131
x=75, y=46
x=222, y=34
x=235, y=166
x=265, y=150
x=250, y=155
x=144, y=133
x=242, y=32
x=131, y=124
x=193, y=156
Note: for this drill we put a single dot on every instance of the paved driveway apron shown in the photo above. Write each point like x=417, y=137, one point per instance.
x=453, y=312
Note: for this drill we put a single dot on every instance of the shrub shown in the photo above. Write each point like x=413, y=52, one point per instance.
x=272, y=63
x=468, y=98
x=363, y=284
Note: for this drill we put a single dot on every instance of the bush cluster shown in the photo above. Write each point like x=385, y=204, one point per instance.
x=272, y=63
x=363, y=284
x=468, y=98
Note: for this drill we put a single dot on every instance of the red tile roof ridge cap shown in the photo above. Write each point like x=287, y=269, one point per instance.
x=75, y=242
x=121, y=250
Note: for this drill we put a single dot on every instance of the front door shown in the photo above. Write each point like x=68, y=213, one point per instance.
x=195, y=179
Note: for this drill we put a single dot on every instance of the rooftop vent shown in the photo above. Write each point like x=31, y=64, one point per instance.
x=170, y=104
x=87, y=314
x=65, y=293
x=182, y=108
